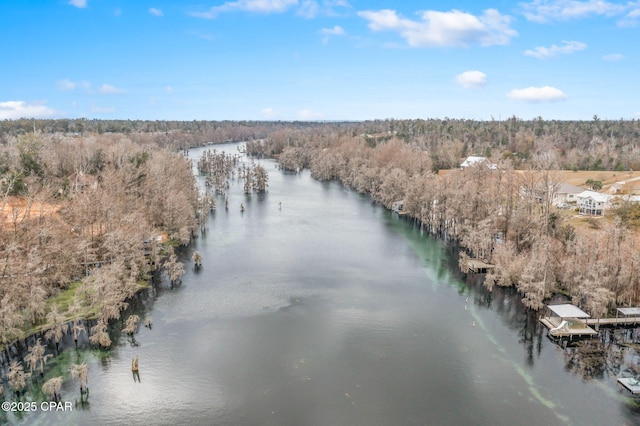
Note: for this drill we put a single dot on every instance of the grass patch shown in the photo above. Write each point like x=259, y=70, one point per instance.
x=64, y=299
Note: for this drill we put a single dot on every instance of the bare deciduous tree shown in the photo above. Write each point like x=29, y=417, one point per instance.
x=17, y=377
x=52, y=387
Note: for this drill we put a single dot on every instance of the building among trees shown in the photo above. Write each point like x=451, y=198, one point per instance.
x=593, y=203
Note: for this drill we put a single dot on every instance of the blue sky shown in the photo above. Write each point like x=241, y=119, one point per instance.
x=319, y=59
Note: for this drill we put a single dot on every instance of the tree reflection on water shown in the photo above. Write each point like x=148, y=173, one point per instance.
x=586, y=357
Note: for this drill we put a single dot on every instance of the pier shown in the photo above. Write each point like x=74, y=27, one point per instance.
x=624, y=316
x=476, y=266
x=631, y=384
x=568, y=320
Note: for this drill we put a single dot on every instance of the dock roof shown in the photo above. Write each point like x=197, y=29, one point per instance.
x=630, y=383
x=629, y=311
x=568, y=311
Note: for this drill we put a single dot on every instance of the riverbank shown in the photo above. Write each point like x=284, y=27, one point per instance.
x=316, y=306
x=503, y=216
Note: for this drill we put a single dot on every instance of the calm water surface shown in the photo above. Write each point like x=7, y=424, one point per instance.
x=330, y=311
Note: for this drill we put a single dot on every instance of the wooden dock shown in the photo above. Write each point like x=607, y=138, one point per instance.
x=476, y=266
x=575, y=328
x=612, y=322
x=624, y=316
x=631, y=384
x=567, y=320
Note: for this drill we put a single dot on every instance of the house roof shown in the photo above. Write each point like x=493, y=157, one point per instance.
x=597, y=196
x=471, y=160
x=567, y=188
x=568, y=311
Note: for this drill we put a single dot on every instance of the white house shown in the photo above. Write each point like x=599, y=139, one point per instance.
x=473, y=160
x=593, y=203
x=566, y=194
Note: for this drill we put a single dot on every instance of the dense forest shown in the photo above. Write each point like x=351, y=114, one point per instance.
x=85, y=222
x=576, y=145
x=501, y=214
x=92, y=208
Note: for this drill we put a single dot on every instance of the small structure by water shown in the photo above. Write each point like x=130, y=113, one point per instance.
x=398, y=208
x=624, y=316
x=629, y=315
x=477, y=266
x=567, y=320
x=631, y=384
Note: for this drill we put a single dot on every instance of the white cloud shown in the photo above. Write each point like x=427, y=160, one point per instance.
x=108, y=89
x=472, y=79
x=309, y=9
x=268, y=113
x=86, y=86
x=328, y=32
x=78, y=3
x=444, y=29
x=257, y=6
x=169, y=90
x=336, y=30
x=155, y=12
x=561, y=10
x=613, y=57
x=66, y=85
x=203, y=36
x=548, y=52
x=632, y=18
x=12, y=110
x=537, y=94
x=306, y=114
x=312, y=8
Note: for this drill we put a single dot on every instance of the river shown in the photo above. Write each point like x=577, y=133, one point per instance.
x=316, y=306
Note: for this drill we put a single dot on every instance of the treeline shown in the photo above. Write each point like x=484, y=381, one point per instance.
x=578, y=145
x=575, y=145
x=498, y=216
x=502, y=214
x=167, y=134
x=87, y=216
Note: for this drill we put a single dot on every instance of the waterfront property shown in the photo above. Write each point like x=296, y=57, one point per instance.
x=567, y=320
x=593, y=203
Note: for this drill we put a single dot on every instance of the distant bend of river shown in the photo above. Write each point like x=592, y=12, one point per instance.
x=315, y=306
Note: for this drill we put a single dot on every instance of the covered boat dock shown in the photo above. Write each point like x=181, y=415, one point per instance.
x=631, y=384
x=567, y=320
